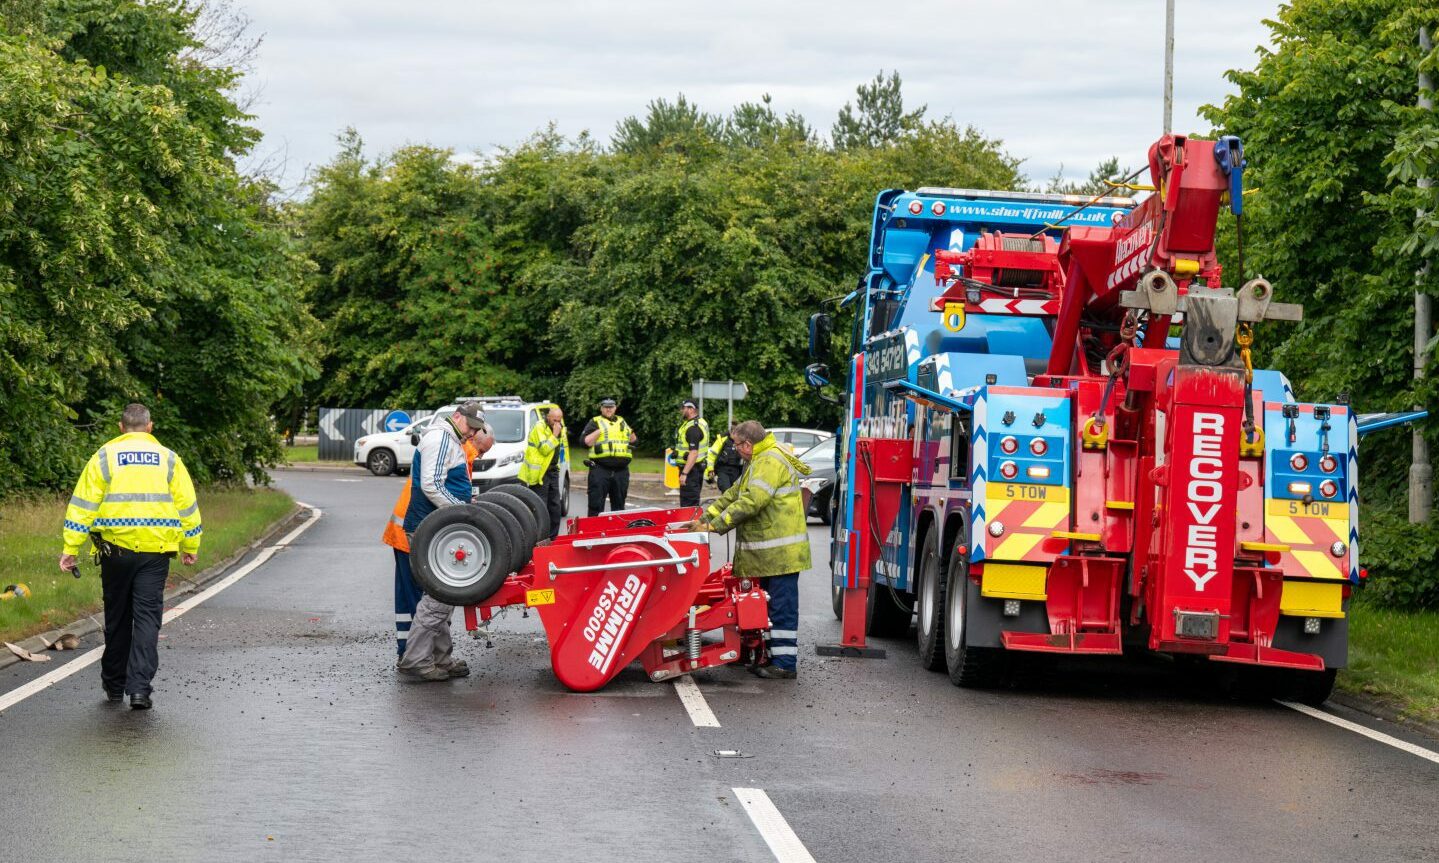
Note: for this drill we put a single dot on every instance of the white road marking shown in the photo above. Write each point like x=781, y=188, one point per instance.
x=1404, y=745
x=776, y=831
x=695, y=704
x=90, y=657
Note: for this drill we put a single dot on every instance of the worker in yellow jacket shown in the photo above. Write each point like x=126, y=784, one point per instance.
x=136, y=504
x=546, y=450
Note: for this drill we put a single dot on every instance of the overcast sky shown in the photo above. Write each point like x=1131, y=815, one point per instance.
x=1060, y=81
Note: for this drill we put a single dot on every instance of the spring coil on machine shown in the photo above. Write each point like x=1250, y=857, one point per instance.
x=692, y=643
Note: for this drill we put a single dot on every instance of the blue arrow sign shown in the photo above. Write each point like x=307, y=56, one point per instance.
x=395, y=421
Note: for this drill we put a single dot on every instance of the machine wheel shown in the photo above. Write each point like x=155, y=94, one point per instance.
x=929, y=604
x=536, y=504
x=529, y=527
x=968, y=666
x=884, y=618
x=460, y=554
x=381, y=462
x=564, y=498
x=519, y=554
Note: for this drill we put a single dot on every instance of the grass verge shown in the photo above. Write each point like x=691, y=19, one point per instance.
x=303, y=454
x=30, y=549
x=1394, y=656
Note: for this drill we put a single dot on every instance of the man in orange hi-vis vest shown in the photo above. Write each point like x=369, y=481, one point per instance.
x=407, y=593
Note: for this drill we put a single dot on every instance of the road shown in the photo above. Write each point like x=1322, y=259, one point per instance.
x=280, y=732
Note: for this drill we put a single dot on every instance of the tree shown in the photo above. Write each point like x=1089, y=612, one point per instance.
x=1334, y=141
x=878, y=119
x=135, y=262
x=678, y=126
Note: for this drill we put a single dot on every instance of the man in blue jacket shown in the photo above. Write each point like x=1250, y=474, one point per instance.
x=439, y=477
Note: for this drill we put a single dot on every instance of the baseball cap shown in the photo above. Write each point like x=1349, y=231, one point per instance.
x=608, y=403
x=474, y=417
x=689, y=403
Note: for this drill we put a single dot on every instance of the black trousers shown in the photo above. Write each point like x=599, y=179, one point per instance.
x=133, y=584
x=550, y=490
x=726, y=477
x=611, y=483
x=691, y=488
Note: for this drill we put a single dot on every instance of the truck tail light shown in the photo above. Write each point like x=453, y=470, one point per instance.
x=937, y=208
x=1300, y=488
x=1038, y=446
x=1009, y=470
x=1009, y=445
x=1328, y=488
x=1037, y=472
x=916, y=207
x=1328, y=463
x=1298, y=461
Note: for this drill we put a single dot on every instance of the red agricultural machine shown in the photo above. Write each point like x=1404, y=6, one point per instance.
x=618, y=588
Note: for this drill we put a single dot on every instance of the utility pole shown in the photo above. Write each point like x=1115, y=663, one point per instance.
x=1168, y=66
x=1421, y=473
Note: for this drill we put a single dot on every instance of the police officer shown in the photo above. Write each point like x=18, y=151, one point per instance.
x=766, y=510
x=692, y=441
x=136, y=503
x=609, y=438
x=722, y=462
x=547, y=448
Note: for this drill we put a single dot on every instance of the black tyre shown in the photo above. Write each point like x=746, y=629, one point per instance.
x=830, y=509
x=537, y=506
x=836, y=600
x=1306, y=687
x=884, y=616
x=968, y=666
x=460, y=554
x=929, y=603
x=564, y=498
x=519, y=554
x=381, y=462
x=529, y=528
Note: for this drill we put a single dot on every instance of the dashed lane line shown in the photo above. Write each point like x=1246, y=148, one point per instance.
x=1404, y=745
x=90, y=657
x=783, y=844
x=695, y=704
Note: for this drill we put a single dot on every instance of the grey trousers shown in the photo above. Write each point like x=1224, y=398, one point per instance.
x=429, y=642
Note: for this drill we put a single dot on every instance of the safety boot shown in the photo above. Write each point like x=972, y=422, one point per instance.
x=429, y=675
x=774, y=672
x=458, y=668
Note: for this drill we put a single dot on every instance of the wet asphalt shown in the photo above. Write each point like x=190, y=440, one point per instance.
x=280, y=732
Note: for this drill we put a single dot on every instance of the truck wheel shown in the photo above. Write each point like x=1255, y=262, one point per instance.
x=1308, y=687
x=968, y=666
x=459, y=555
x=929, y=604
x=836, y=600
x=884, y=618
x=535, y=503
x=529, y=527
x=564, y=498
x=381, y=462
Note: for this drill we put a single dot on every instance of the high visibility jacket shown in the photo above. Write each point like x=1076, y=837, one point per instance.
x=722, y=454
x=136, y=494
x=540, y=449
x=682, y=447
x=767, y=511
x=614, y=439
x=394, y=535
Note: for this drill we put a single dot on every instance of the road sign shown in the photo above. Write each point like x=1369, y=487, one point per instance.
x=395, y=421
x=728, y=390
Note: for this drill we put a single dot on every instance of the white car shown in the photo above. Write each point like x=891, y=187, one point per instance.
x=509, y=418
x=799, y=440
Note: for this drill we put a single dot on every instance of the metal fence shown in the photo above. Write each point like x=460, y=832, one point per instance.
x=341, y=427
